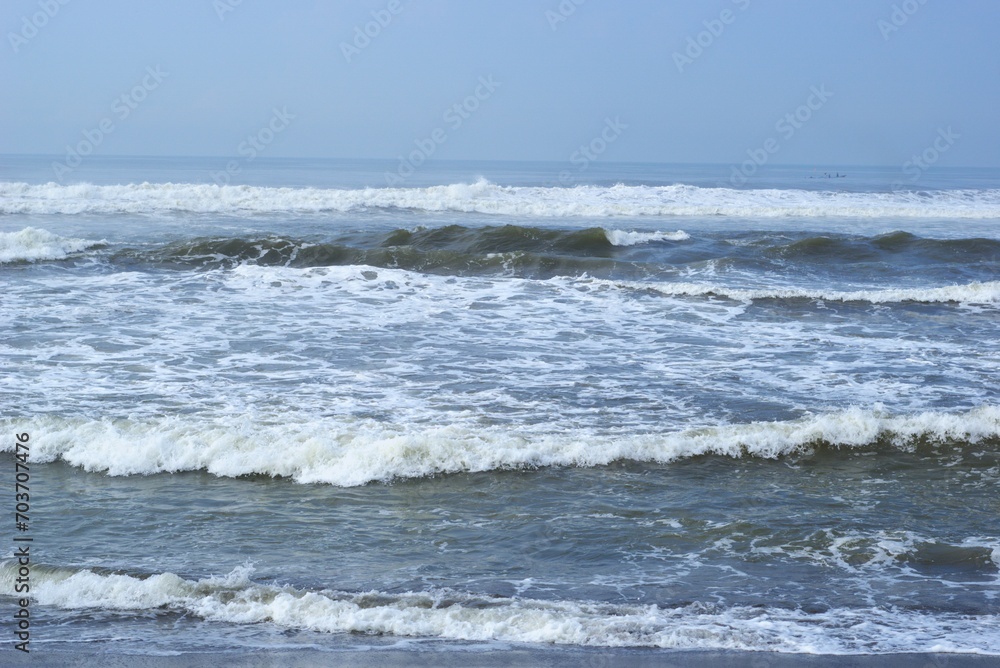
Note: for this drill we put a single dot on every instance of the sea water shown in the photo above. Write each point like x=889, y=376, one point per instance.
x=493, y=406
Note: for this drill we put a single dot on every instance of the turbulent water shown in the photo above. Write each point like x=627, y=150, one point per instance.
x=648, y=411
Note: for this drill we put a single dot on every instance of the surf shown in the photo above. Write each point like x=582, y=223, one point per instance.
x=351, y=452
x=484, y=197
x=235, y=598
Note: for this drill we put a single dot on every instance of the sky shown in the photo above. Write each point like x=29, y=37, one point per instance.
x=830, y=82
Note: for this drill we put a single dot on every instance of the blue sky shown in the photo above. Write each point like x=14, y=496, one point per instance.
x=201, y=76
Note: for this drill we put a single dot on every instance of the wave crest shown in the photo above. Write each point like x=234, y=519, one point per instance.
x=32, y=244
x=450, y=614
x=622, y=238
x=970, y=293
x=488, y=198
x=351, y=453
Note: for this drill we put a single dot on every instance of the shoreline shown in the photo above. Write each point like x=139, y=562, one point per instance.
x=549, y=657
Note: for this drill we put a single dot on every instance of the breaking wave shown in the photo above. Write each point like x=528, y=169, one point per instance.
x=448, y=614
x=31, y=244
x=487, y=198
x=351, y=453
x=971, y=293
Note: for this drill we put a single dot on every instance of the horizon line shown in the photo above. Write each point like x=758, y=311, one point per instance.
x=273, y=158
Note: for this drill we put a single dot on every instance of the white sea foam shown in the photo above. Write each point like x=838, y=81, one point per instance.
x=868, y=552
x=255, y=277
x=623, y=238
x=449, y=614
x=310, y=323
x=969, y=293
x=32, y=244
x=350, y=453
x=488, y=198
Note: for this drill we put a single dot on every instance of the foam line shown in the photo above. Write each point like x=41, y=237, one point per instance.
x=355, y=453
x=488, y=198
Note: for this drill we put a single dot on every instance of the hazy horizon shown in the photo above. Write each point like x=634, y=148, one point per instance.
x=828, y=83
x=474, y=161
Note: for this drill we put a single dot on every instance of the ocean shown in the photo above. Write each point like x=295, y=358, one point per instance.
x=501, y=406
